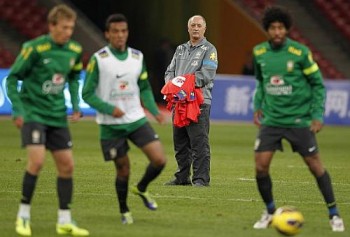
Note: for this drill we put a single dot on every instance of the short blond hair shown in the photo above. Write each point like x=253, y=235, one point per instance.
x=61, y=11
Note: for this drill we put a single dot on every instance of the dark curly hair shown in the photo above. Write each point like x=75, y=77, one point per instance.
x=276, y=14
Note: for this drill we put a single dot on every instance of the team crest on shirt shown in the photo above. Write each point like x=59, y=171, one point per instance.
x=290, y=66
x=276, y=80
x=71, y=62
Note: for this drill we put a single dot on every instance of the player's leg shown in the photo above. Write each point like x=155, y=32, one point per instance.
x=264, y=184
x=33, y=138
x=122, y=165
x=304, y=142
x=155, y=154
x=145, y=138
x=325, y=186
x=116, y=150
x=263, y=179
x=36, y=155
x=59, y=142
x=64, y=183
x=266, y=143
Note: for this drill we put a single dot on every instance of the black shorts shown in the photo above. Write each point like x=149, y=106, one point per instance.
x=115, y=148
x=54, y=138
x=302, y=140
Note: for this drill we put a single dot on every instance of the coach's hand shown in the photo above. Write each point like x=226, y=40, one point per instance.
x=117, y=113
x=316, y=126
x=18, y=122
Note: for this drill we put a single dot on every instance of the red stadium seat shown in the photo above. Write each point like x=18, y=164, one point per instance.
x=24, y=15
x=337, y=11
x=6, y=59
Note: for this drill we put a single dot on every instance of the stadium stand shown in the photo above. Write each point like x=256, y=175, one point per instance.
x=337, y=11
x=26, y=16
x=256, y=7
x=6, y=58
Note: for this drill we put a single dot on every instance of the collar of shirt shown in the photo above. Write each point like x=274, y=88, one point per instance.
x=50, y=39
x=200, y=43
x=121, y=55
x=282, y=46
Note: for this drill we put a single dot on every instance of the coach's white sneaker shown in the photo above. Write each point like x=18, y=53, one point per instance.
x=264, y=221
x=337, y=224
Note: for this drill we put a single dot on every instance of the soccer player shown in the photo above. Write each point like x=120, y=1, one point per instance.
x=45, y=65
x=116, y=80
x=288, y=104
x=191, y=143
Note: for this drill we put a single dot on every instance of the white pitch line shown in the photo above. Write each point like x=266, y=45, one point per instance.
x=282, y=181
x=191, y=198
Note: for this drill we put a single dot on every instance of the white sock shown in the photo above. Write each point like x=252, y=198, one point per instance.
x=24, y=211
x=64, y=216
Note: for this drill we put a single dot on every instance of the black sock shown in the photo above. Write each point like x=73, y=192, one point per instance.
x=65, y=192
x=151, y=173
x=265, y=188
x=121, y=187
x=28, y=187
x=325, y=186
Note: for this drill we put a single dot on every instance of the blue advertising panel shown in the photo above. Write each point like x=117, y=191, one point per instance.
x=232, y=99
x=5, y=104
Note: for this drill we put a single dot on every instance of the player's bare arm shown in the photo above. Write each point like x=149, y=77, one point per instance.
x=117, y=113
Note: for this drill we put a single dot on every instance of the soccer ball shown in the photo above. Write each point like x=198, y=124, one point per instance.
x=288, y=220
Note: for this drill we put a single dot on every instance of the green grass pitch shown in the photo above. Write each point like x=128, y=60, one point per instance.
x=229, y=207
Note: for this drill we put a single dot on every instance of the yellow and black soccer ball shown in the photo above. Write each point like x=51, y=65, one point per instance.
x=288, y=220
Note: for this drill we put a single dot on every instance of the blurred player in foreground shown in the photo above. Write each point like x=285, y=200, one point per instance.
x=288, y=104
x=45, y=65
